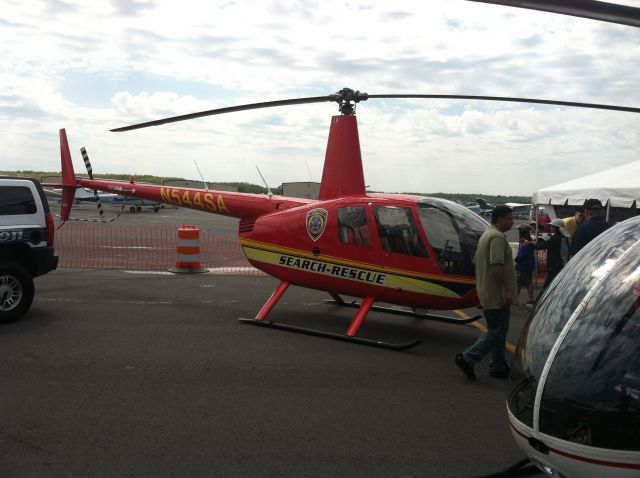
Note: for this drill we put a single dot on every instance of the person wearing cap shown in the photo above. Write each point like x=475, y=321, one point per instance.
x=572, y=222
x=557, y=248
x=593, y=225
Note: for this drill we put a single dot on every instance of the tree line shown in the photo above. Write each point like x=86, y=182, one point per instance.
x=244, y=187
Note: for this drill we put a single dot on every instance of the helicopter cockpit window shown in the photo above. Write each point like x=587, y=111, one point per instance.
x=398, y=231
x=353, y=228
x=453, y=232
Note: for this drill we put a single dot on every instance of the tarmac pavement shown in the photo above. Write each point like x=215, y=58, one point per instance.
x=116, y=373
x=120, y=374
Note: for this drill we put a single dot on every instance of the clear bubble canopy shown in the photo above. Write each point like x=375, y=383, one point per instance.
x=576, y=372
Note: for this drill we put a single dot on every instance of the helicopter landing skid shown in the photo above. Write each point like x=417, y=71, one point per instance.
x=415, y=315
x=329, y=335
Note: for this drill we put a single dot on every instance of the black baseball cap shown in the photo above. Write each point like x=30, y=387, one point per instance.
x=592, y=205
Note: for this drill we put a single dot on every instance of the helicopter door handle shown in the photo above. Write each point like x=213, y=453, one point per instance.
x=316, y=251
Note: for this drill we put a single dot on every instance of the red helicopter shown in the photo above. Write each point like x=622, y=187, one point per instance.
x=397, y=249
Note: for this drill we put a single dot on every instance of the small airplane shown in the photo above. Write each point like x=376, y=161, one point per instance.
x=520, y=210
x=480, y=207
x=84, y=195
x=132, y=203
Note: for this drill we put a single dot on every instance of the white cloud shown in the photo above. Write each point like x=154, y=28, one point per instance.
x=94, y=66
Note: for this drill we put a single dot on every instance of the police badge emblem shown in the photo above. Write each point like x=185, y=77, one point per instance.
x=316, y=222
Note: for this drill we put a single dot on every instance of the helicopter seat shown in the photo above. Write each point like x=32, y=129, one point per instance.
x=398, y=244
x=397, y=241
x=346, y=235
x=362, y=236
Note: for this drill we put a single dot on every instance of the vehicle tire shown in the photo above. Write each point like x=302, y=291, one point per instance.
x=156, y=209
x=138, y=208
x=16, y=291
x=132, y=209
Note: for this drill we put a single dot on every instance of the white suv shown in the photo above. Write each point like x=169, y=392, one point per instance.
x=26, y=243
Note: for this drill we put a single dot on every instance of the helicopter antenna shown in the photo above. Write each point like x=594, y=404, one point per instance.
x=201, y=176
x=309, y=171
x=265, y=182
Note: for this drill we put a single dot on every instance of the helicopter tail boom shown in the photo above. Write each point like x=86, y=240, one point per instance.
x=234, y=204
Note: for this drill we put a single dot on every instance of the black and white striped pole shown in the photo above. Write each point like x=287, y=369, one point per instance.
x=87, y=164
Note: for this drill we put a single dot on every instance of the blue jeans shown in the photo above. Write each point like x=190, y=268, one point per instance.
x=493, y=340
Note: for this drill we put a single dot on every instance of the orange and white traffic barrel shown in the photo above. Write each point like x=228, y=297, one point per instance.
x=188, y=250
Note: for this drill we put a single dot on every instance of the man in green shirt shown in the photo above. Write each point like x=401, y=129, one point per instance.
x=496, y=285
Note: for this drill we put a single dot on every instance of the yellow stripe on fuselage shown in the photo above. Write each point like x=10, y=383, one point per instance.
x=342, y=269
x=339, y=260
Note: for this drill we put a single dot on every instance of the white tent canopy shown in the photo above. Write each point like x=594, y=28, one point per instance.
x=619, y=186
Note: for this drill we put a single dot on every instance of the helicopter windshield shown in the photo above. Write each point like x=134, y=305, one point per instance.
x=585, y=336
x=453, y=232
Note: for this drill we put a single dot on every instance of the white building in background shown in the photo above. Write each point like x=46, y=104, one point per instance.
x=307, y=190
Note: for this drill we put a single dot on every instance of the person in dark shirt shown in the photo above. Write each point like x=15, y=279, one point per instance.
x=557, y=248
x=525, y=263
x=593, y=225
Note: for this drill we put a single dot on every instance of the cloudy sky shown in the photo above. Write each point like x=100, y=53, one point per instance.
x=93, y=66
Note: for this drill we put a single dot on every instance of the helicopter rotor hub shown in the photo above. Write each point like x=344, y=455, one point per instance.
x=347, y=99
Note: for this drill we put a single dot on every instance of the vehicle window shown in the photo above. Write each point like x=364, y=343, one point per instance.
x=398, y=231
x=16, y=200
x=352, y=226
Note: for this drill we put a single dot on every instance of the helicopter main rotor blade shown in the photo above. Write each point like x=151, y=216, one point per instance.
x=231, y=109
x=627, y=109
x=592, y=9
x=347, y=98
